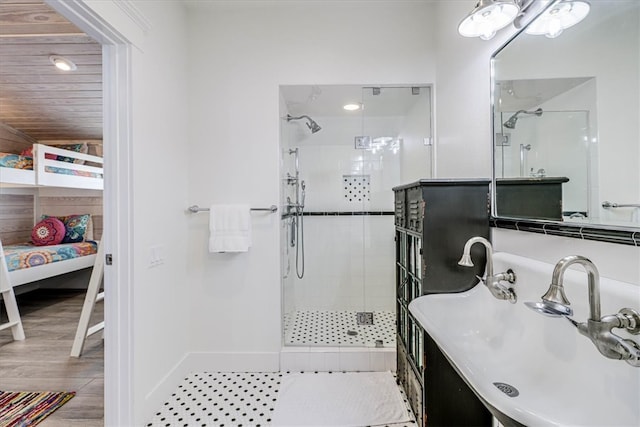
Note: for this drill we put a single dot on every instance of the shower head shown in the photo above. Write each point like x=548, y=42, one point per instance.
x=511, y=123
x=311, y=124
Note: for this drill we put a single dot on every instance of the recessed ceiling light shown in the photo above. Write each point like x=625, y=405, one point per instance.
x=62, y=63
x=351, y=107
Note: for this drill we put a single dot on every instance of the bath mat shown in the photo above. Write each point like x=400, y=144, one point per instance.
x=339, y=400
x=21, y=408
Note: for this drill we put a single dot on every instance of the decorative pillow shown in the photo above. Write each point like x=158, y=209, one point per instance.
x=76, y=227
x=15, y=161
x=49, y=231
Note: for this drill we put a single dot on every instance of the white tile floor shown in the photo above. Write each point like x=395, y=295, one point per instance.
x=227, y=399
x=331, y=328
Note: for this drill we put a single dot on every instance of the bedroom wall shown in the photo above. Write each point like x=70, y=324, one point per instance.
x=66, y=201
x=16, y=216
x=12, y=140
x=240, y=52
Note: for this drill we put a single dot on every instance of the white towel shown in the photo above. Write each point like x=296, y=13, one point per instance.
x=229, y=228
x=339, y=400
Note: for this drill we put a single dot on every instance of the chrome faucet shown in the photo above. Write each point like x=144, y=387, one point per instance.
x=492, y=281
x=598, y=329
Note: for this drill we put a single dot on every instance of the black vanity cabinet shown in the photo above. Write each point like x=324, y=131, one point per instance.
x=433, y=221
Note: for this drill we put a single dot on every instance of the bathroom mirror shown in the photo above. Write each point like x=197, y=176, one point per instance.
x=566, y=120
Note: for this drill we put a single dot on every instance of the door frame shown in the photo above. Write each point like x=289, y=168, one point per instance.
x=97, y=19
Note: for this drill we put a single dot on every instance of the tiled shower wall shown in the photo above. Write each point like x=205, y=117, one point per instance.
x=348, y=222
x=345, y=271
x=348, y=239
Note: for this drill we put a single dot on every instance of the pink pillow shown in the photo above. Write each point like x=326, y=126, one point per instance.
x=49, y=231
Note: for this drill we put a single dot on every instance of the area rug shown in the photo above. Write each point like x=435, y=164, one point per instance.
x=339, y=400
x=20, y=408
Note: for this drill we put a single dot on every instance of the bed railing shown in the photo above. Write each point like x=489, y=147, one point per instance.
x=57, y=173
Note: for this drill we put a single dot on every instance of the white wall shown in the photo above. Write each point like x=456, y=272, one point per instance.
x=240, y=55
x=160, y=162
x=462, y=92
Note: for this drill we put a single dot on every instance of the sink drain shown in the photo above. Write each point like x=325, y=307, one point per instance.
x=507, y=389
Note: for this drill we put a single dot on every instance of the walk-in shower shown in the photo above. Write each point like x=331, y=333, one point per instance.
x=337, y=223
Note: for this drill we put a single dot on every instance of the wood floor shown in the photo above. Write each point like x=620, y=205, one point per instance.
x=42, y=361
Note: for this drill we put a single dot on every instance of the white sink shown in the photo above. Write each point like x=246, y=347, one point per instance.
x=561, y=377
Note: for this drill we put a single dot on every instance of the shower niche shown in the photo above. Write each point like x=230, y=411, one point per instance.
x=345, y=230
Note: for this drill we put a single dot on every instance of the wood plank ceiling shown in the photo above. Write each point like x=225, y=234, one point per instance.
x=35, y=97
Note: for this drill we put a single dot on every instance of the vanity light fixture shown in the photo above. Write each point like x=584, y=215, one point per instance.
x=488, y=17
x=62, y=63
x=352, y=107
x=560, y=16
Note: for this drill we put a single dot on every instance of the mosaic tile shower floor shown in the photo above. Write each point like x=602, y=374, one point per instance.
x=228, y=400
x=331, y=328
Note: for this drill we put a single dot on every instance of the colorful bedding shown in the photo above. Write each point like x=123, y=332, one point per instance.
x=65, y=171
x=27, y=255
x=15, y=161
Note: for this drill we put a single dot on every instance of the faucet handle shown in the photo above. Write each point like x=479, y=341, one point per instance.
x=509, y=276
x=630, y=320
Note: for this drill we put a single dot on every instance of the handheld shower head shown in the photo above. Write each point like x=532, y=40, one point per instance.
x=511, y=123
x=311, y=124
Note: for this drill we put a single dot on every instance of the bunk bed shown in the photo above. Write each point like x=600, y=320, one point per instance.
x=23, y=263
x=26, y=263
x=50, y=166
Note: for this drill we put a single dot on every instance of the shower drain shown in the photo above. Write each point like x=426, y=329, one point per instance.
x=507, y=389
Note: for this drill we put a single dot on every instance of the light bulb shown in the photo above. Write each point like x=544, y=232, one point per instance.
x=62, y=63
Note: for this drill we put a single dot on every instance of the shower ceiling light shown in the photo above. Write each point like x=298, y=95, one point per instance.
x=558, y=17
x=351, y=107
x=488, y=17
x=62, y=63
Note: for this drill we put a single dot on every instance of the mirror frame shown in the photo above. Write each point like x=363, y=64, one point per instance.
x=598, y=232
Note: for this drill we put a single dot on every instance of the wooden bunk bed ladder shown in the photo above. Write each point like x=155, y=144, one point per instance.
x=9, y=298
x=93, y=296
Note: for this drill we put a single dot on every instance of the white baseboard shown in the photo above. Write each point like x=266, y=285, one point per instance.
x=233, y=362
x=163, y=390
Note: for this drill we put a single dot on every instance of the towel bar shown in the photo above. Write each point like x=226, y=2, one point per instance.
x=619, y=205
x=196, y=209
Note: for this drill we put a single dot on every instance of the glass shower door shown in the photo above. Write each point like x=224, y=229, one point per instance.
x=396, y=128
x=346, y=295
